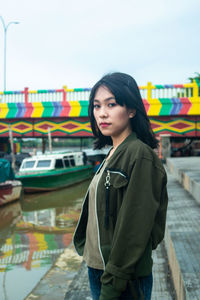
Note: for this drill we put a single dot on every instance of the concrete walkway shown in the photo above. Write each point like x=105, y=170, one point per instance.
x=68, y=280
x=182, y=239
x=187, y=171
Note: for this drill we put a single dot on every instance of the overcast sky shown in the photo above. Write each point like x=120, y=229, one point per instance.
x=75, y=42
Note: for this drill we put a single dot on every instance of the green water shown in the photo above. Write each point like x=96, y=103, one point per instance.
x=33, y=233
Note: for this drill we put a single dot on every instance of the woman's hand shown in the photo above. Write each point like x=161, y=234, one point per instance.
x=109, y=293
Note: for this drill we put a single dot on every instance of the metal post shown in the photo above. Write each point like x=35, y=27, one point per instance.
x=5, y=27
x=5, y=40
x=165, y=146
x=12, y=147
x=43, y=144
x=50, y=141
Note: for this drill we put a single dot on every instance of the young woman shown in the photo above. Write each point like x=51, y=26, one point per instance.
x=124, y=211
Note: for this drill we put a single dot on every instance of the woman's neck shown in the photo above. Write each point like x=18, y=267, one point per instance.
x=116, y=143
x=119, y=139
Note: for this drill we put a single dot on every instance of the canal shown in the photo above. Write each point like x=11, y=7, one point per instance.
x=33, y=233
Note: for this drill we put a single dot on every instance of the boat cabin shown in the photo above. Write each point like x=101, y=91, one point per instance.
x=48, y=162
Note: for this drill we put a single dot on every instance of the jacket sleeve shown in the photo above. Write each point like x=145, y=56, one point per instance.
x=141, y=201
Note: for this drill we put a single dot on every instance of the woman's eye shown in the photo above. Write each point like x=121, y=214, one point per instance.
x=96, y=106
x=111, y=104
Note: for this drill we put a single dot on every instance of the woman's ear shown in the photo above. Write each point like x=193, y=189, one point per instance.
x=132, y=113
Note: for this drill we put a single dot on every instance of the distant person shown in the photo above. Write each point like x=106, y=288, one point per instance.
x=124, y=212
x=84, y=158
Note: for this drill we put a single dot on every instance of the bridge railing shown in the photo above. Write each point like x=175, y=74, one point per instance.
x=187, y=90
x=148, y=92
x=35, y=96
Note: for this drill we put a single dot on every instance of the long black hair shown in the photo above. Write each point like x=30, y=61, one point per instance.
x=126, y=92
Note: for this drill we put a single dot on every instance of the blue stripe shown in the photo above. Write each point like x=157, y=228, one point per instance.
x=177, y=105
x=21, y=109
x=51, y=91
x=57, y=109
x=168, y=86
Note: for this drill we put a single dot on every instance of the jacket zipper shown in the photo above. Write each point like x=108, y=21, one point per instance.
x=107, y=186
x=115, y=172
x=97, y=222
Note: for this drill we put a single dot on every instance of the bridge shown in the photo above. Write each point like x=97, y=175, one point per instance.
x=173, y=109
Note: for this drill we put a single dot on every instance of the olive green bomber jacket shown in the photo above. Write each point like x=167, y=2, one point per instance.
x=131, y=203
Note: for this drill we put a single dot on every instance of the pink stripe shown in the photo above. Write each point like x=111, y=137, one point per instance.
x=186, y=106
x=66, y=109
x=146, y=105
x=61, y=90
x=29, y=110
x=178, y=85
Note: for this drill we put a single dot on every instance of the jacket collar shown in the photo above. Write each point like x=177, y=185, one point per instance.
x=129, y=138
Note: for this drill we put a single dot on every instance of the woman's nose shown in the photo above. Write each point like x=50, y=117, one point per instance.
x=103, y=112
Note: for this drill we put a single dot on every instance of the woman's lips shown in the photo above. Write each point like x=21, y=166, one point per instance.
x=104, y=125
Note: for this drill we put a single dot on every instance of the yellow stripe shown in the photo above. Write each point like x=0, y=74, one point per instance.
x=35, y=264
x=38, y=110
x=52, y=125
x=143, y=87
x=188, y=85
x=42, y=244
x=75, y=109
x=155, y=107
x=195, y=108
x=198, y=125
x=3, y=110
x=78, y=127
x=9, y=252
x=32, y=92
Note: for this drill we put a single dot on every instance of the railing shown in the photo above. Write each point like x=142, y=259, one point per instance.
x=60, y=95
x=170, y=91
x=148, y=92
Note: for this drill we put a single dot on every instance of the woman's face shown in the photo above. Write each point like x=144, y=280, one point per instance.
x=111, y=118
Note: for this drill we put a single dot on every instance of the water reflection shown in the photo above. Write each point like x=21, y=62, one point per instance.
x=33, y=233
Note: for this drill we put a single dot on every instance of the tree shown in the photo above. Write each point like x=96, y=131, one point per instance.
x=197, y=79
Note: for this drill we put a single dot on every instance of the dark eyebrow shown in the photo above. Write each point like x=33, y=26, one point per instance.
x=107, y=99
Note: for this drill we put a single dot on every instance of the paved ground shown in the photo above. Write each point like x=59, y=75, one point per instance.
x=68, y=279
x=187, y=171
x=162, y=288
x=183, y=230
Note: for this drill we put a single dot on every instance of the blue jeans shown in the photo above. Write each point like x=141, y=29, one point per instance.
x=144, y=283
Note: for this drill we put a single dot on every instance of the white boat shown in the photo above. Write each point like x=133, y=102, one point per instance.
x=53, y=171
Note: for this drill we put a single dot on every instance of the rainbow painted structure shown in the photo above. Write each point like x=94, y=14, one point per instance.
x=173, y=109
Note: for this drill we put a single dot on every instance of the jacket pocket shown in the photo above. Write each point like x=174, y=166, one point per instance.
x=116, y=178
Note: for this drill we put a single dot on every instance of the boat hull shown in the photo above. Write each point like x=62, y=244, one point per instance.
x=10, y=191
x=53, y=180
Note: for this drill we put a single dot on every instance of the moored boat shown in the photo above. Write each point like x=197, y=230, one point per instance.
x=53, y=171
x=10, y=189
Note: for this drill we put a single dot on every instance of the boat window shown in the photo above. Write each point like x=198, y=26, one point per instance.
x=43, y=163
x=59, y=164
x=28, y=164
x=66, y=161
x=72, y=161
